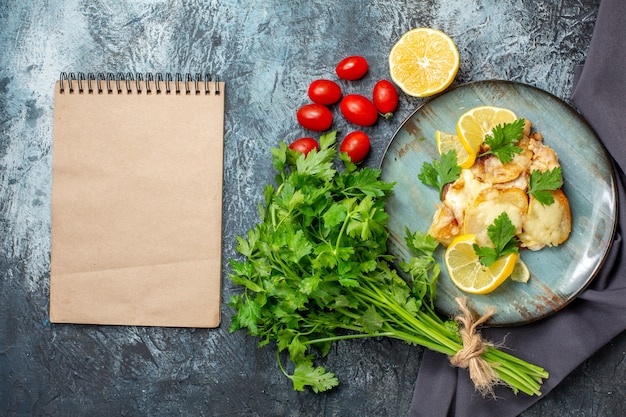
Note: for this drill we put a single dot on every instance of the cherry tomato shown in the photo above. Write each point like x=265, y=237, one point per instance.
x=351, y=68
x=315, y=117
x=358, y=110
x=356, y=145
x=304, y=145
x=324, y=92
x=385, y=97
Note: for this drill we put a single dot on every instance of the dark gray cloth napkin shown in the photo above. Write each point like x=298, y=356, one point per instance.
x=564, y=340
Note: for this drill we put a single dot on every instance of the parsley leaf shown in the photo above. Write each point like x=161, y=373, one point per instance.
x=440, y=173
x=316, y=377
x=542, y=183
x=422, y=267
x=503, y=139
x=366, y=182
x=502, y=235
x=371, y=320
x=421, y=243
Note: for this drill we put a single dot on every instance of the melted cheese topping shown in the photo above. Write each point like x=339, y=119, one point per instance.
x=462, y=193
x=491, y=204
x=547, y=224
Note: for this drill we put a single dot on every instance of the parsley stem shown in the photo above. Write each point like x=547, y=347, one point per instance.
x=517, y=379
x=341, y=232
x=508, y=358
x=434, y=332
x=436, y=341
x=348, y=313
x=350, y=336
x=422, y=341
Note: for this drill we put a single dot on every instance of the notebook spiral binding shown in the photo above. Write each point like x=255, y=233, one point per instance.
x=119, y=83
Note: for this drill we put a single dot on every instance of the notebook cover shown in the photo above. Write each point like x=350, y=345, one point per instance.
x=137, y=208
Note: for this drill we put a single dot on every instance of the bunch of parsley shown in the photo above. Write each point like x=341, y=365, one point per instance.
x=316, y=270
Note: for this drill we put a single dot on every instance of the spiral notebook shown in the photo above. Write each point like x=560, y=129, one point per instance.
x=137, y=172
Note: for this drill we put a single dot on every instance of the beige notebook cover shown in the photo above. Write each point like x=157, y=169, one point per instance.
x=137, y=202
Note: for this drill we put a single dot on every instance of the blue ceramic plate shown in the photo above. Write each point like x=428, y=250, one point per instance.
x=557, y=274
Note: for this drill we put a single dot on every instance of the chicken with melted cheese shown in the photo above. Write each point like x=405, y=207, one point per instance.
x=488, y=188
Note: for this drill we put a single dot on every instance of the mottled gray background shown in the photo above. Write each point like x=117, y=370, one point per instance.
x=267, y=52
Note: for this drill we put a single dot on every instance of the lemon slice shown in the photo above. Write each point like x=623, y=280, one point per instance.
x=423, y=62
x=465, y=156
x=476, y=123
x=466, y=271
x=520, y=272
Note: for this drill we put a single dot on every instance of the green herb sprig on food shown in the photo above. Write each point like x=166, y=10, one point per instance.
x=543, y=183
x=439, y=173
x=502, y=235
x=502, y=142
x=316, y=270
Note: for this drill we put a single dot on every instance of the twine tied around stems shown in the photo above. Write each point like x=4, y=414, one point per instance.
x=469, y=357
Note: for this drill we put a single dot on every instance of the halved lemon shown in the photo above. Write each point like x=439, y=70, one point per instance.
x=520, y=272
x=423, y=62
x=465, y=156
x=476, y=123
x=466, y=271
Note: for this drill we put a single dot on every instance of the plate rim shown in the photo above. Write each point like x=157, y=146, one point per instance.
x=607, y=155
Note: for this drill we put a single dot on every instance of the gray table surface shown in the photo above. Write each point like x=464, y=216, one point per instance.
x=267, y=52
